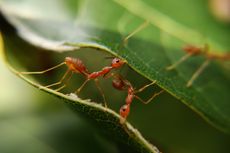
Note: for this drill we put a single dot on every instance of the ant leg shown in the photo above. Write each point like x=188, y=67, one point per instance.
x=151, y=98
x=59, y=82
x=41, y=72
x=80, y=88
x=142, y=26
x=198, y=72
x=182, y=59
x=123, y=22
x=101, y=91
x=144, y=87
x=66, y=82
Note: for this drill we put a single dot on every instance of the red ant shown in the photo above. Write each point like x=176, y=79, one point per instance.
x=120, y=83
x=75, y=65
x=197, y=51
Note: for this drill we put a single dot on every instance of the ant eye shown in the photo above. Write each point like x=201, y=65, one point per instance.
x=123, y=109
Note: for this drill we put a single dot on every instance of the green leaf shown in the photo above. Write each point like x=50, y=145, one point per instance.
x=102, y=24
x=101, y=117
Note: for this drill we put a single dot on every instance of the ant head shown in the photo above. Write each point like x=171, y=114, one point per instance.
x=116, y=62
x=124, y=110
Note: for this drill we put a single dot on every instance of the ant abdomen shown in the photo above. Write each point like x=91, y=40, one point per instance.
x=118, y=84
x=76, y=65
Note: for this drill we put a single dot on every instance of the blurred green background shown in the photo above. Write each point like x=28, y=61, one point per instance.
x=32, y=121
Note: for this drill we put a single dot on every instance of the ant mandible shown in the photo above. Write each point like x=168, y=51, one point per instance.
x=120, y=83
x=192, y=50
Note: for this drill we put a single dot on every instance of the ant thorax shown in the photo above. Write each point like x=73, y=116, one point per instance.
x=118, y=84
x=129, y=98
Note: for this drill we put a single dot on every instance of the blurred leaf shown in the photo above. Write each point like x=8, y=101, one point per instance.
x=102, y=24
x=54, y=132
